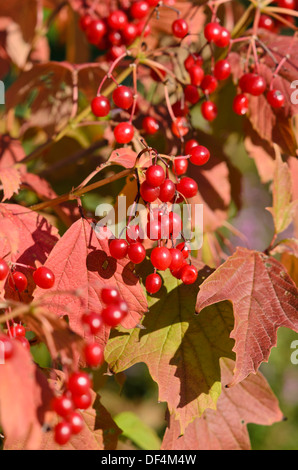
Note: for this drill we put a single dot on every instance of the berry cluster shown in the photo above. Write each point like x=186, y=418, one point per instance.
x=42, y=276
x=271, y=24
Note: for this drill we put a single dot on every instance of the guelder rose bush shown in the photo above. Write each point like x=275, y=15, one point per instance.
x=144, y=103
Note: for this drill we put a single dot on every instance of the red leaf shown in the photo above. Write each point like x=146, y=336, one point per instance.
x=11, y=180
x=11, y=151
x=264, y=298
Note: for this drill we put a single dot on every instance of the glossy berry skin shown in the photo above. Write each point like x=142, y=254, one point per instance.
x=94, y=354
x=85, y=22
x=62, y=433
x=252, y=83
x=189, y=145
x=240, y=104
x=155, y=175
x=153, y=283
x=188, y=274
x=93, y=322
x=123, y=97
x=150, y=125
x=209, y=110
x=180, y=28
x=180, y=108
x=18, y=281
x=100, y=106
x=191, y=94
x=95, y=31
x=209, y=84
x=62, y=405
x=112, y=315
x=212, y=31
x=110, y=295
x=149, y=193
x=118, y=248
x=6, y=347
x=4, y=269
x=115, y=52
x=266, y=22
x=79, y=383
x=275, y=98
x=124, y=133
x=134, y=234
x=222, y=70
x=177, y=258
x=196, y=74
x=24, y=342
x=16, y=330
x=139, y=9
x=154, y=229
x=224, y=38
x=167, y=190
x=180, y=127
x=44, y=277
x=193, y=59
x=129, y=33
x=290, y=4
x=175, y=224
x=199, y=155
x=184, y=248
x=115, y=38
x=117, y=19
x=187, y=187
x=82, y=402
x=161, y=258
x=180, y=166
x=76, y=422
x=136, y=253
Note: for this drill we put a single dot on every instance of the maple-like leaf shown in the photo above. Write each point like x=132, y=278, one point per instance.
x=251, y=401
x=181, y=350
x=264, y=298
x=11, y=181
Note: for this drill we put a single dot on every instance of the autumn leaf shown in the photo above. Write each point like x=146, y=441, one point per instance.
x=11, y=151
x=11, y=181
x=251, y=401
x=181, y=350
x=264, y=298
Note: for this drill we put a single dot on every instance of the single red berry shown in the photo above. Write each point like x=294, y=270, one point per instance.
x=180, y=127
x=191, y=94
x=16, y=330
x=154, y=229
x=139, y=9
x=224, y=38
x=180, y=166
x=199, y=155
x=222, y=70
x=62, y=433
x=187, y=187
x=177, y=258
x=124, y=132
x=275, y=98
x=82, y=402
x=79, y=383
x=112, y=315
x=129, y=33
x=44, y=277
x=118, y=248
x=150, y=125
x=115, y=38
x=76, y=422
x=149, y=193
x=110, y=295
x=193, y=59
x=123, y=97
x=155, y=213
x=115, y=52
x=117, y=19
x=240, y=104
x=209, y=110
x=175, y=225
x=266, y=22
x=18, y=281
x=24, y=342
x=4, y=269
x=184, y=248
x=189, y=145
x=62, y=405
x=252, y=83
x=161, y=258
x=155, y=175
x=153, y=283
x=189, y=274
x=85, y=22
x=167, y=190
x=95, y=31
x=209, y=84
x=136, y=253
x=212, y=31
x=196, y=74
x=6, y=347
x=94, y=354
x=180, y=28
x=134, y=234
x=93, y=322
x=290, y=4
x=100, y=106
x=180, y=108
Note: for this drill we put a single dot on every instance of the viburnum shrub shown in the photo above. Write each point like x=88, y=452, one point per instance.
x=161, y=103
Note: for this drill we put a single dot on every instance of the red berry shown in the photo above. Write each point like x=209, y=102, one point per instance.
x=224, y=38
x=62, y=433
x=290, y=4
x=100, y=106
x=115, y=52
x=115, y=38
x=191, y=94
x=180, y=166
x=209, y=110
x=139, y=9
x=85, y=22
x=275, y=98
x=161, y=258
x=110, y=295
x=6, y=348
x=118, y=248
x=44, y=277
x=18, y=281
x=124, y=133
x=155, y=175
x=222, y=70
x=154, y=229
x=62, y=405
x=167, y=190
x=150, y=125
x=76, y=422
x=212, y=31
x=209, y=84
x=153, y=283
x=193, y=59
x=96, y=31
x=240, y=104
x=180, y=127
x=134, y=234
x=266, y=22
x=177, y=272
x=24, y=342
x=149, y=193
x=177, y=258
x=196, y=74
x=187, y=187
x=16, y=330
x=79, y=383
x=199, y=155
x=136, y=253
x=129, y=33
x=123, y=97
x=93, y=321
x=180, y=28
x=180, y=108
x=94, y=354
x=175, y=225
x=189, y=274
x=117, y=19
x=3, y=269
x=252, y=83
x=112, y=315
x=189, y=145
x=82, y=402
x=184, y=248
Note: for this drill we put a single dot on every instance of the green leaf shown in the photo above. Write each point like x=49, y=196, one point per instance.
x=137, y=431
